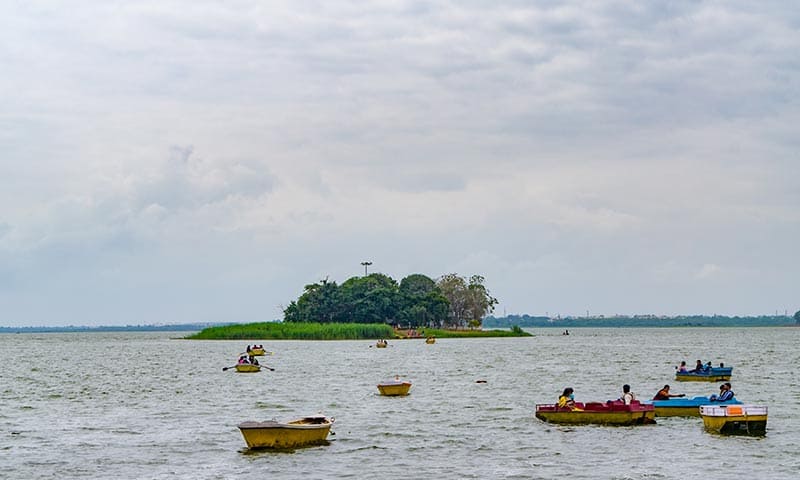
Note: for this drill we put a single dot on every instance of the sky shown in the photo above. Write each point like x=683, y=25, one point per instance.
x=202, y=161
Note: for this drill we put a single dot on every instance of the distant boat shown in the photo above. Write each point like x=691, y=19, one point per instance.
x=430, y=340
x=312, y=430
x=685, y=407
x=381, y=344
x=714, y=374
x=735, y=419
x=257, y=352
x=394, y=388
x=247, y=368
x=609, y=413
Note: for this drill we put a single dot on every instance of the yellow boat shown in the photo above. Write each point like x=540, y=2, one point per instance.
x=257, y=352
x=248, y=368
x=735, y=419
x=312, y=430
x=394, y=388
x=609, y=413
x=381, y=344
x=430, y=340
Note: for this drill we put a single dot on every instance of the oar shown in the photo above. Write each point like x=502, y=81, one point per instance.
x=225, y=369
x=268, y=368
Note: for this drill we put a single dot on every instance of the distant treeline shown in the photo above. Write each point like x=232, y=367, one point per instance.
x=638, y=321
x=179, y=327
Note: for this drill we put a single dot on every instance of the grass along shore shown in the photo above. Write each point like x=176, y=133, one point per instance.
x=333, y=331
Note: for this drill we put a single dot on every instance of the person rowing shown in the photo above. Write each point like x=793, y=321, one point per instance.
x=664, y=394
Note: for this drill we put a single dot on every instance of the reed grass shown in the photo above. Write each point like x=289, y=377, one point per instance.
x=295, y=331
x=332, y=331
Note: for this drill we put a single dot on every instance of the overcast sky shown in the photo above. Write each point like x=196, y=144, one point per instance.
x=193, y=161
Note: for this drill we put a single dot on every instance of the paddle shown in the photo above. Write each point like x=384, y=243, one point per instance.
x=268, y=368
x=225, y=369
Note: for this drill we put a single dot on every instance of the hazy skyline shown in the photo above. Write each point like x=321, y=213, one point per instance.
x=175, y=162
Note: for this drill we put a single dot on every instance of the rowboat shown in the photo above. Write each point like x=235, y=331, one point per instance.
x=394, y=388
x=430, y=340
x=247, y=368
x=609, y=413
x=735, y=419
x=685, y=407
x=312, y=430
x=257, y=352
x=714, y=374
x=381, y=344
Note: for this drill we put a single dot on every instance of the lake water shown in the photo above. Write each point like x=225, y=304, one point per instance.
x=143, y=405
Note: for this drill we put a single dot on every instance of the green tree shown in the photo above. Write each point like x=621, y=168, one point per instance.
x=797, y=317
x=422, y=303
x=318, y=303
x=469, y=301
x=371, y=299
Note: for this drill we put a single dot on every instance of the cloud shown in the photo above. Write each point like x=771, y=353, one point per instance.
x=267, y=144
x=707, y=271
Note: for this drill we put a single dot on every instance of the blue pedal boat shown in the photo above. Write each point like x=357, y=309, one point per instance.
x=714, y=374
x=685, y=407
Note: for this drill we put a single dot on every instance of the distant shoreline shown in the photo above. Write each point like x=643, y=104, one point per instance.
x=182, y=327
x=523, y=321
x=638, y=321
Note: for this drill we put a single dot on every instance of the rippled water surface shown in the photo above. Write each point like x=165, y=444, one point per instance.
x=143, y=405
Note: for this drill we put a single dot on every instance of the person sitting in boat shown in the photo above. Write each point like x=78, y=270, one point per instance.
x=252, y=360
x=707, y=367
x=725, y=393
x=627, y=395
x=567, y=399
x=664, y=394
x=697, y=368
x=682, y=368
x=248, y=349
x=242, y=359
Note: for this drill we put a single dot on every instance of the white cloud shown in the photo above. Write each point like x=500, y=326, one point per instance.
x=204, y=149
x=707, y=271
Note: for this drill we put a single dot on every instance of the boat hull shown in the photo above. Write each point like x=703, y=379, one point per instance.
x=748, y=420
x=247, y=368
x=430, y=340
x=716, y=374
x=380, y=345
x=685, y=407
x=394, y=389
x=257, y=352
x=610, y=413
x=298, y=433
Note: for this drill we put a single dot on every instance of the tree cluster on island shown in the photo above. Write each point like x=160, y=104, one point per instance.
x=417, y=300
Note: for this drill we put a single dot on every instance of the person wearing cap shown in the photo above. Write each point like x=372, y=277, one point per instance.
x=664, y=394
x=725, y=393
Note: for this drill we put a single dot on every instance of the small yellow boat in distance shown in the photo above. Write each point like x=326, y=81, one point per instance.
x=247, y=368
x=257, y=352
x=312, y=430
x=381, y=344
x=394, y=388
x=735, y=419
x=430, y=340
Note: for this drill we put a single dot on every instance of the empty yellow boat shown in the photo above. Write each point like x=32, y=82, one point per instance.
x=312, y=430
